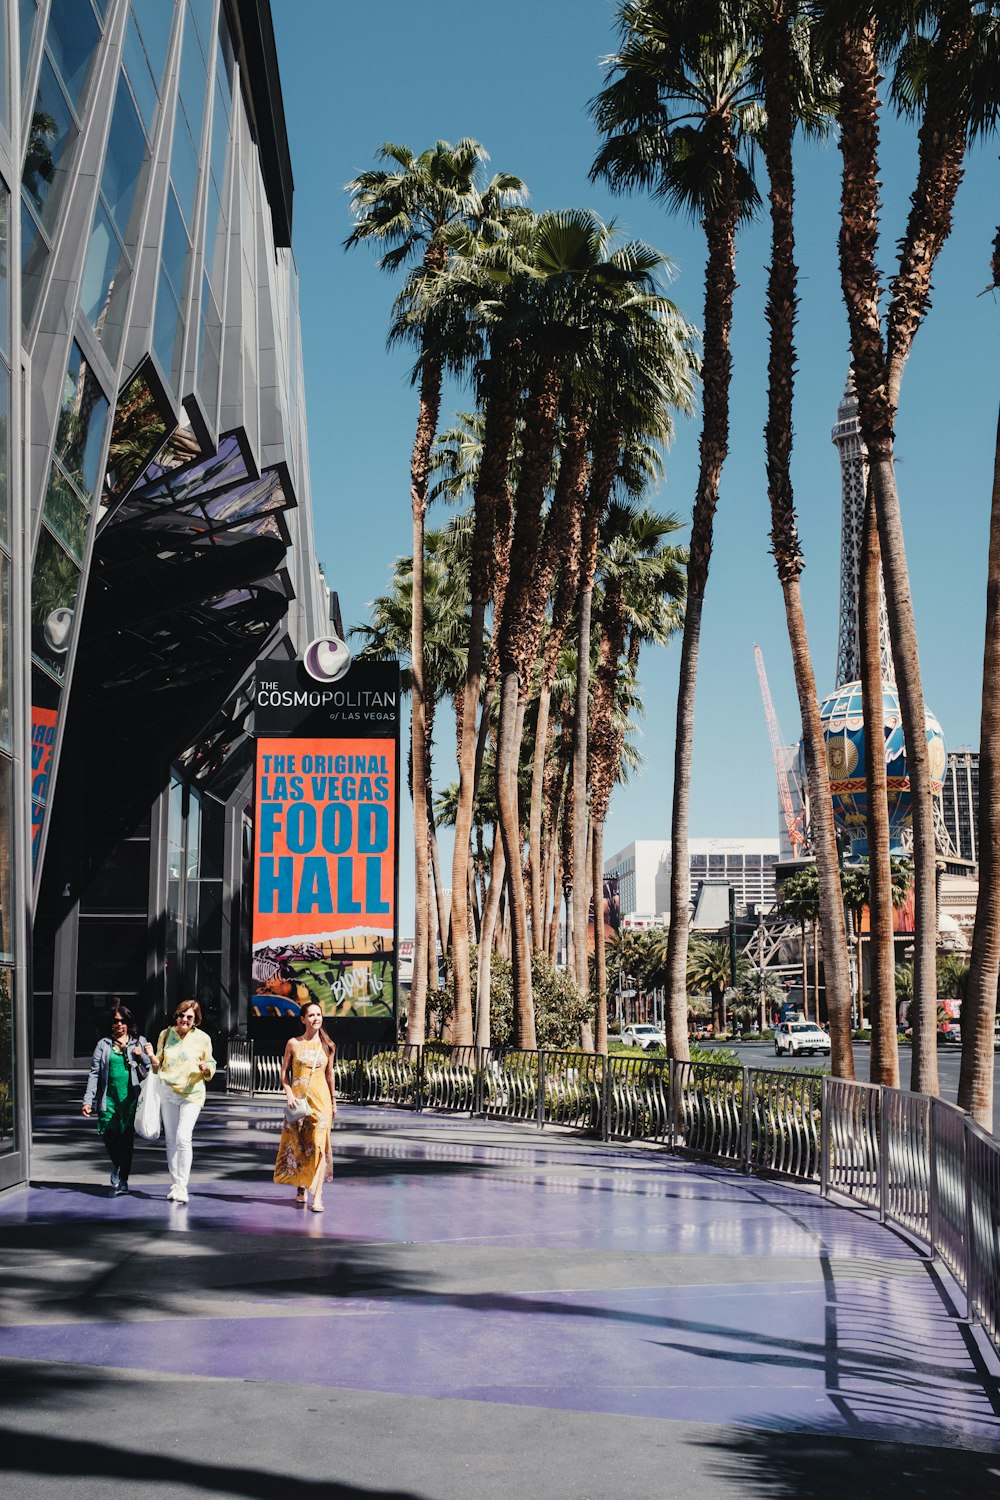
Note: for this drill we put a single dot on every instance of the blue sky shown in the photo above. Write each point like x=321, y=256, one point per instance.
x=517, y=77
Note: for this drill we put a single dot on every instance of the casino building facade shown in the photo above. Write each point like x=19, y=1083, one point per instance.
x=155, y=509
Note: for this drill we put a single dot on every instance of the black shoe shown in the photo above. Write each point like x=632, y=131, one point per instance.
x=116, y=1177
x=119, y=1189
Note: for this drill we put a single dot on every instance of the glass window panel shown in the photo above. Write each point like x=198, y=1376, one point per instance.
x=55, y=583
x=5, y=624
x=213, y=833
x=173, y=255
x=4, y=271
x=210, y=915
x=184, y=168
x=193, y=865
x=136, y=65
x=209, y=350
x=8, y=1073
x=103, y=256
x=4, y=44
x=155, y=21
x=66, y=513
x=6, y=858
x=44, y=716
x=72, y=40
x=51, y=131
x=140, y=429
x=111, y=954
x=166, y=330
x=28, y=16
x=82, y=424
x=124, y=160
x=4, y=455
x=122, y=882
x=215, y=239
x=203, y=12
x=34, y=254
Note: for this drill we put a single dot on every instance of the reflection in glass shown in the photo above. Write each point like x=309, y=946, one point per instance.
x=4, y=455
x=123, y=161
x=51, y=130
x=5, y=623
x=136, y=65
x=167, y=331
x=82, y=421
x=66, y=513
x=6, y=858
x=155, y=22
x=4, y=271
x=71, y=40
x=176, y=245
x=140, y=428
x=103, y=255
x=43, y=737
x=28, y=13
x=8, y=1114
x=55, y=584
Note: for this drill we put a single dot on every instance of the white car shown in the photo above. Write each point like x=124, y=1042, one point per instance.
x=641, y=1035
x=795, y=1038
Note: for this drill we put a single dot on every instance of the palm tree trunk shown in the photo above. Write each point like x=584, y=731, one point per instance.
x=600, y=951
x=430, y=401
x=508, y=752
x=975, y=1085
x=720, y=285
x=781, y=312
x=535, y=818
x=498, y=438
x=876, y=413
x=579, y=805
x=487, y=933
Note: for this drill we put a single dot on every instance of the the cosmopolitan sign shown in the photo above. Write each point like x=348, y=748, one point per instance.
x=326, y=837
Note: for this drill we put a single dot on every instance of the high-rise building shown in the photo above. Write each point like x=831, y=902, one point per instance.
x=642, y=869
x=155, y=513
x=960, y=803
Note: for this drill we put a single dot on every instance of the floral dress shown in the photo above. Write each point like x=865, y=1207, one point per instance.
x=304, y=1145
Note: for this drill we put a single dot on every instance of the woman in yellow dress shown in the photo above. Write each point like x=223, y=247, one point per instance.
x=305, y=1158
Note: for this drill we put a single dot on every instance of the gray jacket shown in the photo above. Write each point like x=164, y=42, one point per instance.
x=97, y=1083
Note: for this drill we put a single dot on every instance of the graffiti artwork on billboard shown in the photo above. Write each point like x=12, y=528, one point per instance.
x=612, y=910
x=324, y=889
x=43, y=737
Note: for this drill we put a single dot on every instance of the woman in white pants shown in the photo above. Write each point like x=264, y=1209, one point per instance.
x=183, y=1061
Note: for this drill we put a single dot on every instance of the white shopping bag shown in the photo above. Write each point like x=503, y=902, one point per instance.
x=147, y=1111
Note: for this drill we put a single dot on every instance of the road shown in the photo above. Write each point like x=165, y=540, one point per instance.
x=761, y=1055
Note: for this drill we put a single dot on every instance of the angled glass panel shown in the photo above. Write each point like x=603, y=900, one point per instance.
x=66, y=513
x=240, y=504
x=203, y=12
x=71, y=40
x=103, y=256
x=82, y=424
x=4, y=47
x=141, y=427
x=226, y=466
x=155, y=21
x=34, y=256
x=184, y=168
x=6, y=881
x=166, y=329
x=5, y=623
x=136, y=64
x=123, y=161
x=4, y=271
x=28, y=14
x=55, y=584
x=50, y=133
x=174, y=251
x=8, y=1074
x=4, y=455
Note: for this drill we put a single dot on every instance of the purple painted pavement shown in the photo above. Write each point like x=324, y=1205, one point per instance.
x=865, y=1344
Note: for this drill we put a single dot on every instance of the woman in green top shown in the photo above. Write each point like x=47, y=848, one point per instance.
x=117, y=1068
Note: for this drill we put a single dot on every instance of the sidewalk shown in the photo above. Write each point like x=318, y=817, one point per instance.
x=483, y=1313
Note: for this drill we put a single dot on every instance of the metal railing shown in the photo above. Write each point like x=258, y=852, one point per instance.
x=918, y=1162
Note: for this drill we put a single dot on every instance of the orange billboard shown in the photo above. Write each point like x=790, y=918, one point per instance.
x=324, y=875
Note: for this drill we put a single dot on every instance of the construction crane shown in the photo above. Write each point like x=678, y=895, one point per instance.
x=785, y=775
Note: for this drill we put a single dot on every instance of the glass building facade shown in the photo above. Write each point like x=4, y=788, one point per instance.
x=155, y=514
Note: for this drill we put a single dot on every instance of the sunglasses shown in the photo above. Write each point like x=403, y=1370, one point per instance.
x=187, y=1016
x=117, y=1021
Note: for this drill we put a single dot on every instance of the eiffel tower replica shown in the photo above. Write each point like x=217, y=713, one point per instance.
x=847, y=438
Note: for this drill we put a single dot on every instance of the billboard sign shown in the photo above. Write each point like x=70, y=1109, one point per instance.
x=326, y=789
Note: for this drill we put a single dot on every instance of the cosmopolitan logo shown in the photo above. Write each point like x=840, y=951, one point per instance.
x=306, y=698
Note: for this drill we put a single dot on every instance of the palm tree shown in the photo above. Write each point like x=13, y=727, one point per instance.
x=679, y=111
x=793, y=92
x=408, y=207
x=643, y=580
x=799, y=896
x=939, y=76
x=708, y=972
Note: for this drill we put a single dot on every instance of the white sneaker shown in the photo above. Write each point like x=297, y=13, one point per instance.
x=172, y=1195
x=180, y=1195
